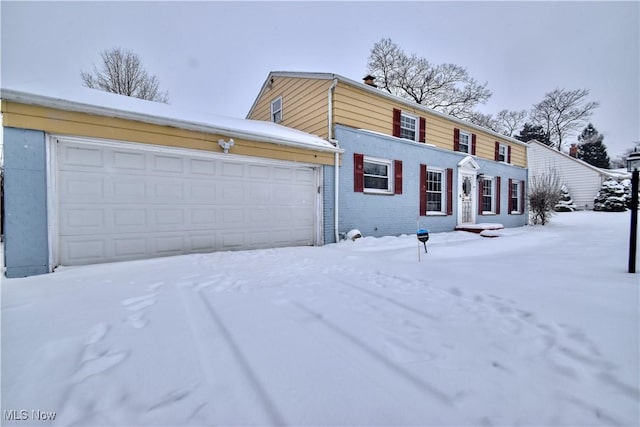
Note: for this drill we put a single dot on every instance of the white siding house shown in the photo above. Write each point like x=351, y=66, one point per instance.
x=582, y=179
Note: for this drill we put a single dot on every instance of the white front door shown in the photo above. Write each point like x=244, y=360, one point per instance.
x=468, y=170
x=467, y=192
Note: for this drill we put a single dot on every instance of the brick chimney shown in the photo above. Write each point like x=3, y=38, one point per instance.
x=369, y=80
x=573, y=150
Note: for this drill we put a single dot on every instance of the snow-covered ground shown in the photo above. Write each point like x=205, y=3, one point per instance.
x=539, y=326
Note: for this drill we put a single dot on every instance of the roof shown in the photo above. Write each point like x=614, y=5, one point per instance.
x=610, y=174
x=97, y=102
x=377, y=92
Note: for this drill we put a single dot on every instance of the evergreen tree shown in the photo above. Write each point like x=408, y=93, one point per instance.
x=565, y=204
x=610, y=198
x=530, y=131
x=591, y=149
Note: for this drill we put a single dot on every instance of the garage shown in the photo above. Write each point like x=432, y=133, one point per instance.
x=119, y=201
x=94, y=177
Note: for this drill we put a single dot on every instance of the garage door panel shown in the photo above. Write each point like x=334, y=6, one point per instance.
x=129, y=160
x=82, y=157
x=118, y=203
x=202, y=167
x=82, y=187
x=233, y=169
x=202, y=242
x=167, y=163
x=128, y=189
x=80, y=251
x=128, y=247
x=130, y=217
x=168, y=245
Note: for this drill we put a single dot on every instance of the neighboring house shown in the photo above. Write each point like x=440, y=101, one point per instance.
x=581, y=179
x=93, y=177
x=404, y=164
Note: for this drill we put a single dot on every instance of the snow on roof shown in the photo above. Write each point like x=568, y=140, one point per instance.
x=93, y=101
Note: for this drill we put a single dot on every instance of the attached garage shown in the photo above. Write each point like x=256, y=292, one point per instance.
x=121, y=185
x=121, y=201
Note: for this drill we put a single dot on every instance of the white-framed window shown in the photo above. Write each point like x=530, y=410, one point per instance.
x=516, y=202
x=276, y=110
x=503, y=153
x=378, y=175
x=408, y=126
x=488, y=192
x=436, y=192
x=464, y=142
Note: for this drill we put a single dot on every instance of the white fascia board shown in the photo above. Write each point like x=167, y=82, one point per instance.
x=297, y=139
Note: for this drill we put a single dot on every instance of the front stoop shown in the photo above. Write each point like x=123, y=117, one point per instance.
x=485, y=230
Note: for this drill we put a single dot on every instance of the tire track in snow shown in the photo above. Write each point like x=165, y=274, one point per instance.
x=205, y=355
x=377, y=356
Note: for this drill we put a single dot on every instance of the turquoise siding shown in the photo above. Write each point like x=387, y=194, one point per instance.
x=384, y=215
x=25, y=203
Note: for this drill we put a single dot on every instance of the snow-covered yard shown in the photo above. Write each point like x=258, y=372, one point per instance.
x=537, y=327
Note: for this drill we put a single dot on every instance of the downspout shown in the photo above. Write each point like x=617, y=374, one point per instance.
x=336, y=172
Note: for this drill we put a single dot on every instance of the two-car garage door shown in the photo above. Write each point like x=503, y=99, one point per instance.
x=118, y=201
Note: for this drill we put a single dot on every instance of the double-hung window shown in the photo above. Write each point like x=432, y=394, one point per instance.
x=408, y=126
x=465, y=142
x=488, y=202
x=377, y=175
x=503, y=153
x=436, y=187
x=516, y=203
x=276, y=110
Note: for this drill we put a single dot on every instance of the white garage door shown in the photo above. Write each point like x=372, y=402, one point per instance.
x=125, y=201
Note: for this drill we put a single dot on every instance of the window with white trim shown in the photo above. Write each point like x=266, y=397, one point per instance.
x=516, y=203
x=408, y=126
x=436, y=190
x=377, y=176
x=276, y=110
x=464, y=141
x=488, y=199
x=503, y=153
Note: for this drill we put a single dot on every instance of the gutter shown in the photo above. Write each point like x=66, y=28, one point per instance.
x=336, y=167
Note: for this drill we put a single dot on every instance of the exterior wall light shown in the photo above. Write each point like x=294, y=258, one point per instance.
x=226, y=145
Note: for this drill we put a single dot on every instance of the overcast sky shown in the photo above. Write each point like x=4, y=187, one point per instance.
x=214, y=56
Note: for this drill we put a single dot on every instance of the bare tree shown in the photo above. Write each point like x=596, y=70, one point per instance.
x=447, y=88
x=545, y=191
x=511, y=121
x=505, y=122
x=562, y=112
x=121, y=72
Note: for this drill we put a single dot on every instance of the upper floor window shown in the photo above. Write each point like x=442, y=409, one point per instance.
x=408, y=126
x=465, y=142
x=276, y=110
x=503, y=153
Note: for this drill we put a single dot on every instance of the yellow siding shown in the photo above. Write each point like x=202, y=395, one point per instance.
x=356, y=107
x=94, y=126
x=304, y=104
